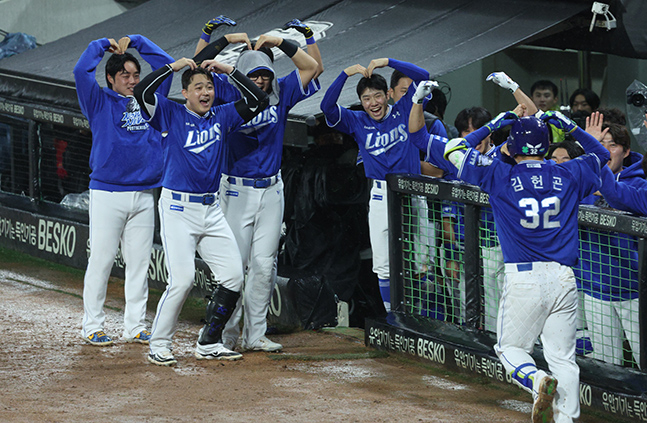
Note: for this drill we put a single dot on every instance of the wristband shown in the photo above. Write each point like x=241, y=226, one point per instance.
x=289, y=48
x=205, y=36
x=311, y=40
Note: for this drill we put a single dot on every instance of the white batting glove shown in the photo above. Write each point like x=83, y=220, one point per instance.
x=503, y=81
x=453, y=145
x=424, y=89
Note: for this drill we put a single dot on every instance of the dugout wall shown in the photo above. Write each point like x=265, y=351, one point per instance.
x=441, y=295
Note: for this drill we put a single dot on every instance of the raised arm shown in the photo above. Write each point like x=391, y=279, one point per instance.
x=414, y=72
x=210, y=51
x=306, y=64
x=504, y=81
x=254, y=99
x=417, y=115
x=87, y=87
x=329, y=103
x=151, y=53
x=144, y=92
x=313, y=48
x=622, y=196
x=590, y=144
x=207, y=29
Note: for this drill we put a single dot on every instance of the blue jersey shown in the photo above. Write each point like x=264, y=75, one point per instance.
x=193, y=146
x=624, y=195
x=433, y=147
x=535, y=203
x=126, y=153
x=255, y=150
x=383, y=145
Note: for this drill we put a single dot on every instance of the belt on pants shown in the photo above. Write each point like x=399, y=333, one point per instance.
x=256, y=183
x=205, y=199
x=518, y=267
x=379, y=184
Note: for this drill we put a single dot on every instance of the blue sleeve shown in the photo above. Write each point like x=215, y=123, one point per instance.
x=224, y=92
x=154, y=56
x=292, y=90
x=478, y=169
x=331, y=110
x=437, y=128
x=591, y=145
x=586, y=170
x=87, y=89
x=474, y=138
x=422, y=140
x=409, y=69
x=623, y=196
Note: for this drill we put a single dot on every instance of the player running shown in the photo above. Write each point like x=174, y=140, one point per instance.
x=251, y=188
x=126, y=163
x=535, y=205
x=190, y=214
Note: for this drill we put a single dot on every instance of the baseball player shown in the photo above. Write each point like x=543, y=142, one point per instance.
x=381, y=133
x=190, y=215
x=251, y=189
x=535, y=205
x=126, y=165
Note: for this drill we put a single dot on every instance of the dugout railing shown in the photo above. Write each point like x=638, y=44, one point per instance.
x=447, y=273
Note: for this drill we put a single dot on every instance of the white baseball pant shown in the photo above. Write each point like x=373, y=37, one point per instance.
x=187, y=226
x=540, y=299
x=255, y=216
x=493, y=280
x=607, y=321
x=378, y=225
x=127, y=217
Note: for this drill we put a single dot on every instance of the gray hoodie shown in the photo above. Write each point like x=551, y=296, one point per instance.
x=252, y=60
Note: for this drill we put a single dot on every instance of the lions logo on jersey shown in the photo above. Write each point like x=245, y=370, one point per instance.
x=378, y=143
x=199, y=140
x=268, y=116
x=132, y=117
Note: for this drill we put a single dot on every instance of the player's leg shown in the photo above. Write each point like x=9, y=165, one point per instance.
x=136, y=245
x=260, y=276
x=605, y=328
x=629, y=316
x=107, y=217
x=180, y=227
x=239, y=204
x=558, y=340
x=522, y=311
x=492, y=284
x=219, y=250
x=378, y=225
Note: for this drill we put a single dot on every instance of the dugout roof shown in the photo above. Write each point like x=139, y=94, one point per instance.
x=439, y=35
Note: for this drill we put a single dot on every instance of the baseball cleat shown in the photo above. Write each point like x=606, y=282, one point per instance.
x=215, y=352
x=263, y=344
x=542, y=409
x=162, y=359
x=142, y=337
x=98, y=338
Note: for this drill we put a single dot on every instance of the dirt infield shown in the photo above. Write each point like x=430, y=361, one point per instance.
x=49, y=375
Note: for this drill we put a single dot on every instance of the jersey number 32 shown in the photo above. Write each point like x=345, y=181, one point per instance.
x=536, y=214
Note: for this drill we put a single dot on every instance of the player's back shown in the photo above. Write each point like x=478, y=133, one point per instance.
x=536, y=210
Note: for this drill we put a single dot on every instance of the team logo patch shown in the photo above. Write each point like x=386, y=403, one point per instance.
x=378, y=197
x=231, y=193
x=176, y=207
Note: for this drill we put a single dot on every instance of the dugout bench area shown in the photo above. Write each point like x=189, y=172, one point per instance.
x=442, y=288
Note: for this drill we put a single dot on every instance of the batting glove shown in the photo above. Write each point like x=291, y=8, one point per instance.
x=299, y=26
x=501, y=121
x=559, y=121
x=503, y=81
x=215, y=23
x=454, y=145
x=424, y=89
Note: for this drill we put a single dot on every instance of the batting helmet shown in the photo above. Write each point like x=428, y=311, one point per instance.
x=529, y=136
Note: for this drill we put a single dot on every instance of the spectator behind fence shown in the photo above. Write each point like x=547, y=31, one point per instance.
x=608, y=269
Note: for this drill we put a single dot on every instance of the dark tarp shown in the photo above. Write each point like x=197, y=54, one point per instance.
x=628, y=39
x=440, y=35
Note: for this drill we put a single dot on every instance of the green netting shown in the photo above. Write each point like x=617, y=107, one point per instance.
x=607, y=278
